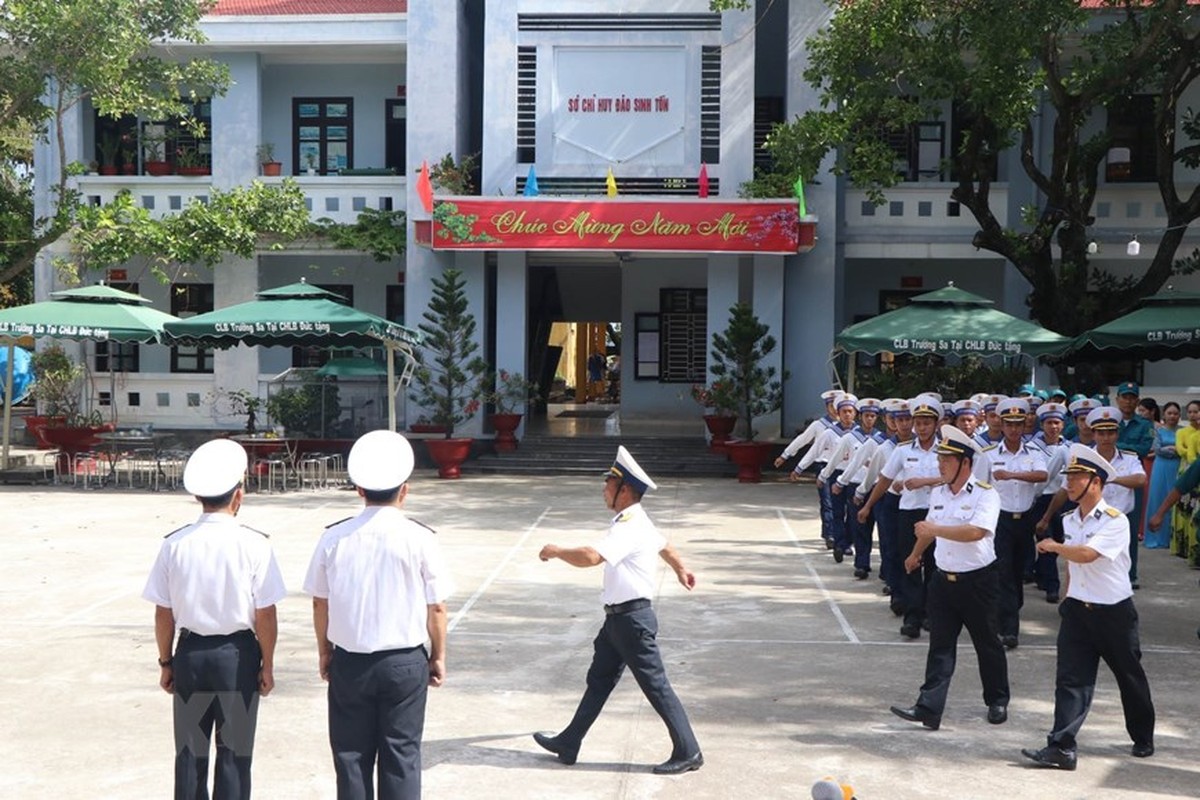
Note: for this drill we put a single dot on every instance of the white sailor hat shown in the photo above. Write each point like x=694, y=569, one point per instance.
x=380, y=461
x=926, y=405
x=1104, y=418
x=956, y=443
x=628, y=470
x=964, y=407
x=1081, y=458
x=847, y=399
x=992, y=400
x=869, y=404
x=830, y=395
x=215, y=468
x=1013, y=409
x=898, y=407
x=947, y=409
x=1051, y=411
x=980, y=397
x=1034, y=401
x=1083, y=406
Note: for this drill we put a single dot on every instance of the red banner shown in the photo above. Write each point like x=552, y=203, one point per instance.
x=700, y=226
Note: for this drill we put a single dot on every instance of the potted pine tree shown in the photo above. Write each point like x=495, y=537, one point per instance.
x=737, y=355
x=448, y=377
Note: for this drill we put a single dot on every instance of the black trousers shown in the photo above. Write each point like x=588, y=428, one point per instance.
x=1014, y=537
x=969, y=599
x=1088, y=633
x=377, y=711
x=912, y=584
x=1045, y=567
x=628, y=640
x=216, y=685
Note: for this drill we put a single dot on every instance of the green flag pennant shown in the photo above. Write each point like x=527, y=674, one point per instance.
x=799, y=189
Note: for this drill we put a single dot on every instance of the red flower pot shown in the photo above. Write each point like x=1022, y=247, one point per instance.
x=448, y=454
x=719, y=428
x=73, y=441
x=108, y=169
x=750, y=458
x=506, y=426
x=158, y=167
x=194, y=171
x=35, y=425
x=424, y=427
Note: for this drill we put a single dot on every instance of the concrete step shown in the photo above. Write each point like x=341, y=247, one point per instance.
x=665, y=457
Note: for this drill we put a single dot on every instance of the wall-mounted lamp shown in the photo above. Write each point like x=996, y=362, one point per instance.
x=1133, y=248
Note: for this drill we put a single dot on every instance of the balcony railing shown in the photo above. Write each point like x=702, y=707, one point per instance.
x=336, y=197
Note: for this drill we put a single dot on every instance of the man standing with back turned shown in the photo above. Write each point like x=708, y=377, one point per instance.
x=627, y=637
x=218, y=583
x=379, y=587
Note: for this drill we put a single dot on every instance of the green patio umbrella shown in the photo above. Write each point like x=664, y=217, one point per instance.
x=1165, y=325
x=89, y=313
x=950, y=321
x=299, y=314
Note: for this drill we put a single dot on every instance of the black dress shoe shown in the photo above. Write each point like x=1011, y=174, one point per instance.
x=898, y=610
x=829, y=544
x=1142, y=750
x=551, y=743
x=838, y=554
x=678, y=766
x=1134, y=585
x=1051, y=756
x=861, y=574
x=910, y=631
x=1009, y=641
x=918, y=714
x=887, y=590
x=1051, y=597
x=997, y=714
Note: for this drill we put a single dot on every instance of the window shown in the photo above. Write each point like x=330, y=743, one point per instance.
x=395, y=127
x=1131, y=156
x=394, y=308
x=962, y=123
x=188, y=300
x=317, y=355
x=324, y=134
x=117, y=356
x=672, y=345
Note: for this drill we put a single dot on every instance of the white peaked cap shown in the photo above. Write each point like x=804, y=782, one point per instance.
x=215, y=468
x=627, y=469
x=379, y=461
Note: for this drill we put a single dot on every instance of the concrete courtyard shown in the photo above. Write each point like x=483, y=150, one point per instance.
x=785, y=663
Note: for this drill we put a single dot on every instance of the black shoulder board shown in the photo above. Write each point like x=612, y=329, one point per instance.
x=177, y=530
x=339, y=522
x=256, y=530
x=423, y=525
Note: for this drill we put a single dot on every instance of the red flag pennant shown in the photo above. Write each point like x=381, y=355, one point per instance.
x=702, y=182
x=425, y=188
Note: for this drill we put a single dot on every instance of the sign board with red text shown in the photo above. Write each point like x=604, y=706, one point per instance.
x=700, y=226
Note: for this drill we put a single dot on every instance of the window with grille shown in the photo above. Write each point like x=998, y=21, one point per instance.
x=117, y=356
x=188, y=300
x=324, y=134
x=1132, y=156
x=683, y=335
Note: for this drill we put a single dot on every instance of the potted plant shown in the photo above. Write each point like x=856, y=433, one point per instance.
x=310, y=163
x=243, y=402
x=266, y=159
x=58, y=385
x=509, y=393
x=109, y=146
x=720, y=411
x=448, y=373
x=154, y=149
x=737, y=355
x=128, y=154
x=311, y=409
x=455, y=177
x=190, y=161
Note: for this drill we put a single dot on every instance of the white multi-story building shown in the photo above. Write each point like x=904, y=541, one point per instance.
x=569, y=91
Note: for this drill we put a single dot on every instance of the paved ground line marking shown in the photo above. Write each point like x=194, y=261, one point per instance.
x=483, y=587
x=833, y=606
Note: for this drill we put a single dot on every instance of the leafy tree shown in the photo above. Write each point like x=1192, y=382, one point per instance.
x=737, y=355
x=449, y=374
x=56, y=53
x=884, y=65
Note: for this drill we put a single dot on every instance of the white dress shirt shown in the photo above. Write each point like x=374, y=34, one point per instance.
x=912, y=461
x=1016, y=496
x=1105, y=530
x=975, y=504
x=630, y=553
x=380, y=572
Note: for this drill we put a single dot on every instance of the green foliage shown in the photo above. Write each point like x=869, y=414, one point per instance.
x=266, y=153
x=458, y=227
x=882, y=67
x=511, y=394
x=916, y=374
x=448, y=373
x=244, y=402
x=58, y=383
x=203, y=233
x=311, y=409
x=455, y=177
x=737, y=356
x=380, y=233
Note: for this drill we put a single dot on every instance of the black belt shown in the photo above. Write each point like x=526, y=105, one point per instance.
x=1098, y=606
x=955, y=577
x=184, y=634
x=626, y=607
x=1014, y=514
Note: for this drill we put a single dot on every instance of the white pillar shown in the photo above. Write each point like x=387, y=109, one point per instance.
x=235, y=280
x=768, y=307
x=471, y=264
x=237, y=124
x=722, y=294
x=512, y=315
